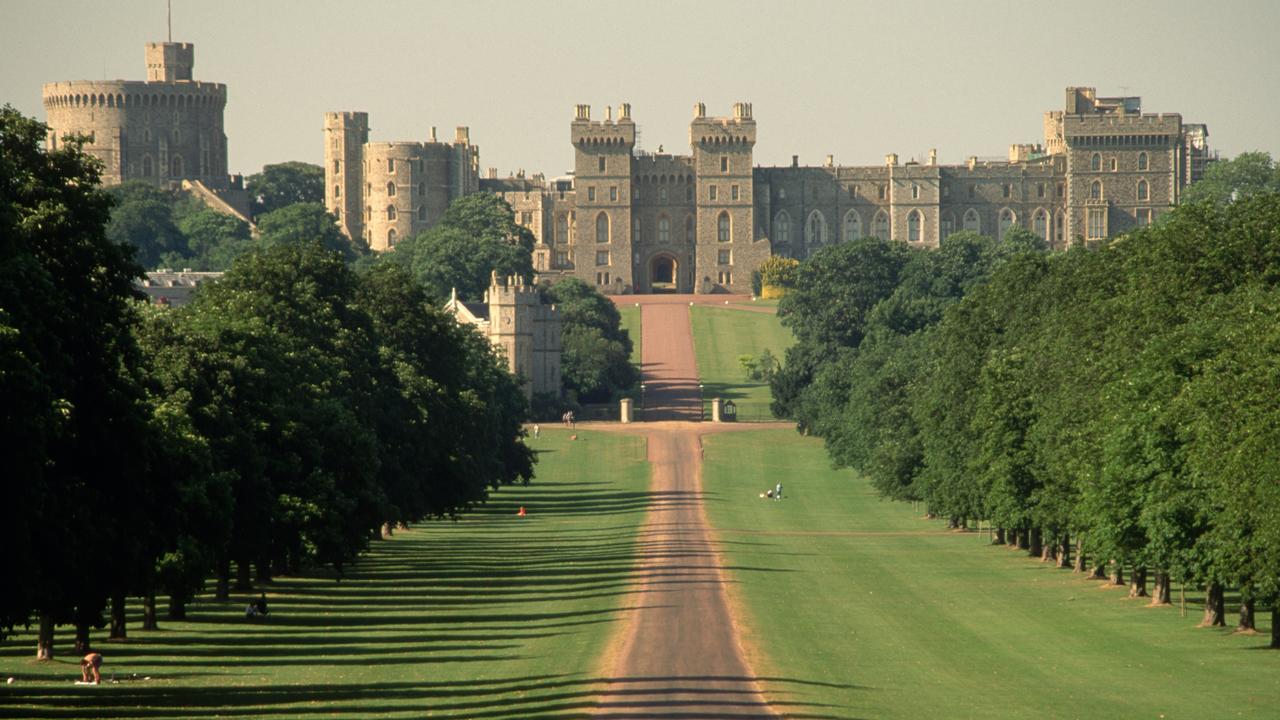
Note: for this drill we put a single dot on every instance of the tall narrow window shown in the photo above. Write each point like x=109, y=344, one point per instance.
x=422, y=213
x=946, y=227
x=337, y=164
x=815, y=229
x=915, y=192
x=724, y=163
x=664, y=229
x=972, y=221
x=602, y=228
x=1144, y=163
x=391, y=189
x=391, y=237
x=1041, y=224
x=1095, y=190
x=722, y=228
x=613, y=193
x=635, y=229
x=1144, y=191
x=1097, y=224
x=914, y=226
x=1095, y=162
x=712, y=192
x=176, y=169
x=391, y=164
x=391, y=212
x=147, y=169
x=600, y=163
x=591, y=194
x=1007, y=220
x=733, y=192
x=337, y=191
x=852, y=226
x=782, y=228
x=880, y=227
x=562, y=229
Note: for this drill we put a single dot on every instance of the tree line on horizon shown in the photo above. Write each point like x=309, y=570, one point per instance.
x=293, y=411
x=1111, y=408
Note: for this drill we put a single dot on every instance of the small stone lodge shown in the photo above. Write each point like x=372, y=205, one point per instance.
x=514, y=318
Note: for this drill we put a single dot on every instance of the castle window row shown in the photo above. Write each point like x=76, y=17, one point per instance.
x=1119, y=140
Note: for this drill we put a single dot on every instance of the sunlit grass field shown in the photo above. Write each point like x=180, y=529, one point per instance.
x=721, y=334
x=494, y=616
x=882, y=614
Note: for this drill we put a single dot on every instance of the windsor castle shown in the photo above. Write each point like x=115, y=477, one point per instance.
x=629, y=221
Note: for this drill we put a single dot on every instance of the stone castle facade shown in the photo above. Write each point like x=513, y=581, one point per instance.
x=528, y=331
x=631, y=221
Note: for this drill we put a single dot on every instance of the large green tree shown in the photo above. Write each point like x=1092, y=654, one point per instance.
x=284, y=184
x=596, y=363
x=306, y=223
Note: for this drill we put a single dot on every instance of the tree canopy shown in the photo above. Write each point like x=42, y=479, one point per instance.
x=284, y=184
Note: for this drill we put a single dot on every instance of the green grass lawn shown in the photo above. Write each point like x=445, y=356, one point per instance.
x=494, y=616
x=631, y=323
x=720, y=336
x=861, y=609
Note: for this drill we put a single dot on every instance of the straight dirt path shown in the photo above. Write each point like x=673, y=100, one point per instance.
x=678, y=654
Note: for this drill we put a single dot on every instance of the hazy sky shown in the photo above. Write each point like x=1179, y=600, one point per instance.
x=853, y=79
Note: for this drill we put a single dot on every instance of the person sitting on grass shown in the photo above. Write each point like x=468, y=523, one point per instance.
x=91, y=664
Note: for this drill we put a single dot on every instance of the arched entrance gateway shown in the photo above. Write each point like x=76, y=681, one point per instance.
x=662, y=274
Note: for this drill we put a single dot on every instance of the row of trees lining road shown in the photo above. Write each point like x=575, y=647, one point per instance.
x=1110, y=409
x=284, y=418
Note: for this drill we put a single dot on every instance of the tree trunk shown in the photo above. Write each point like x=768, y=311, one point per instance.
x=222, y=589
x=44, y=640
x=1160, y=596
x=1214, y=610
x=1138, y=582
x=82, y=638
x=1080, y=559
x=952, y=523
x=1246, y=624
x=149, y=611
x=243, y=580
x=1098, y=573
x=177, y=607
x=999, y=537
x=1117, y=573
x=1064, y=551
x=264, y=571
x=119, y=631
x=1024, y=539
x=1275, y=624
x=1049, y=552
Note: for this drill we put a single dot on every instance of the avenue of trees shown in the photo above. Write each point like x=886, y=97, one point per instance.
x=1111, y=409
x=286, y=417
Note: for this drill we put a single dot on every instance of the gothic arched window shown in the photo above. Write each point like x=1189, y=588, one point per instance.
x=723, y=229
x=852, y=226
x=915, y=226
x=602, y=228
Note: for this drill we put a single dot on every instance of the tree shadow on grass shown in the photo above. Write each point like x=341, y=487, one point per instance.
x=565, y=696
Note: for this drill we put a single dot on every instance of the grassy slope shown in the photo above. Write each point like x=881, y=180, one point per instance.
x=492, y=617
x=912, y=621
x=631, y=323
x=720, y=335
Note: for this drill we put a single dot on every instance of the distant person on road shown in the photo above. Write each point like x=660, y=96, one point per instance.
x=537, y=431
x=91, y=664
x=777, y=492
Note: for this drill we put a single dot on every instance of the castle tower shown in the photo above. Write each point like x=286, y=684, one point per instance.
x=165, y=130
x=345, y=134
x=603, y=195
x=170, y=62
x=513, y=310
x=727, y=251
